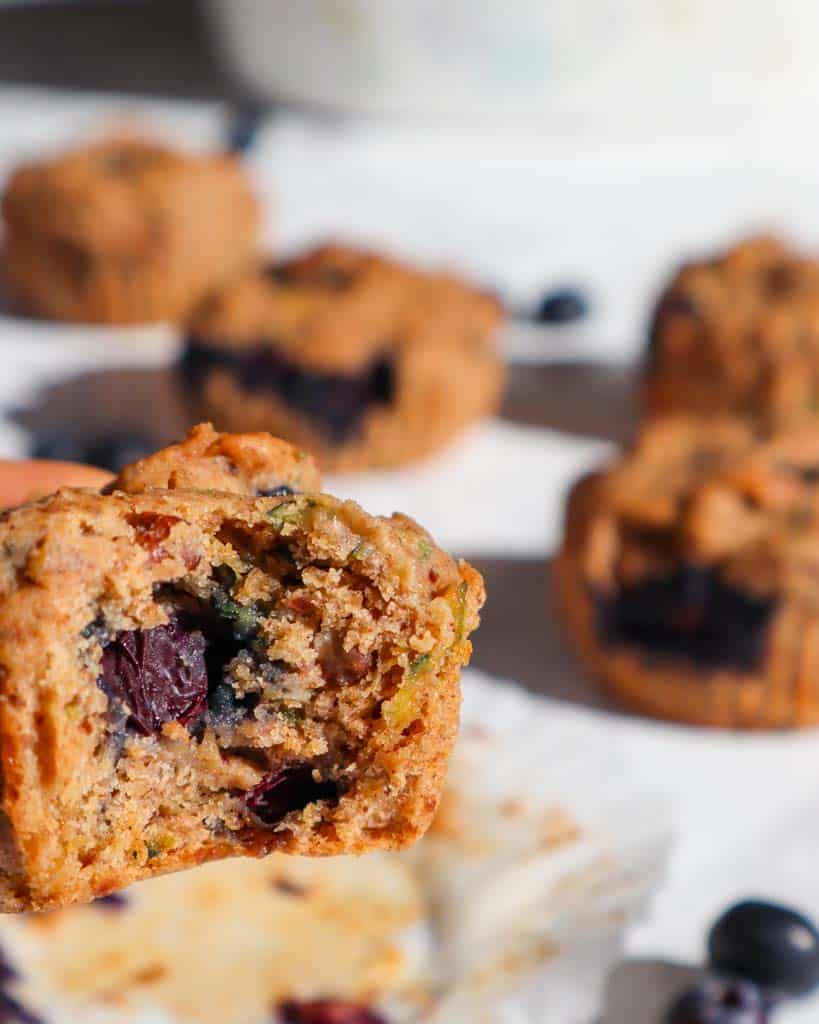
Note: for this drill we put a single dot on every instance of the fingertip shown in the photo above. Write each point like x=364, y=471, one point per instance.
x=23, y=480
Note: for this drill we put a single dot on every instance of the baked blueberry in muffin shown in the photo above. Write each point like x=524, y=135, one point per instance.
x=359, y=359
x=687, y=573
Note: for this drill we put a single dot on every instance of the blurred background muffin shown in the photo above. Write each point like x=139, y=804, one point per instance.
x=362, y=360
x=125, y=231
x=739, y=334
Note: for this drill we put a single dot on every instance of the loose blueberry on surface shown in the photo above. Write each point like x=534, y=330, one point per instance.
x=562, y=306
x=243, y=127
x=719, y=1002
x=289, y=788
x=774, y=946
x=159, y=674
x=326, y=1011
x=114, y=452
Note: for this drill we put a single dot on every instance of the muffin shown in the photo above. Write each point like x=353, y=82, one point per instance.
x=687, y=574
x=738, y=335
x=125, y=231
x=193, y=674
x=360, y=360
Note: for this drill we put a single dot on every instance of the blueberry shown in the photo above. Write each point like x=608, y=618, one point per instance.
x=225, y=708
x=692, y=614
x=59, y=446
x=290, y=788
x=326, y=1011
x=719, y=1002
x=774, y=946
x=116, y=451
x=275, y=492
x=243, y=127
x=562, y=306
x=335, y=403
x=160, y=675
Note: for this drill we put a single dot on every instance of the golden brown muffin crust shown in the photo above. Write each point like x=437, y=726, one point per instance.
x=739, y=335
x=425, y=344
x=208, y=461
x=125, y=230
x=687, y=574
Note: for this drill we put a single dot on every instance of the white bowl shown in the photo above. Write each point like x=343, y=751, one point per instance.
x=600, y=65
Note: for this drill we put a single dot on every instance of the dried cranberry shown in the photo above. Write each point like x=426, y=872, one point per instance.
x=327, y=1011
x=159, y=674
x=151, y=530
x=290, y=788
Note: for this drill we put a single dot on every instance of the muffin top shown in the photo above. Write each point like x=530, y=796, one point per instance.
x=336, y=309
x=114, y=195
x=739, y=334
x=256, y=464
x=707, y=495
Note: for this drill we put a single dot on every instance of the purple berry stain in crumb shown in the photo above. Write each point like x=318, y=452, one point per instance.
x=159, y=674
x=326, y=1011
x=289, y=788
x=11, y=1011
